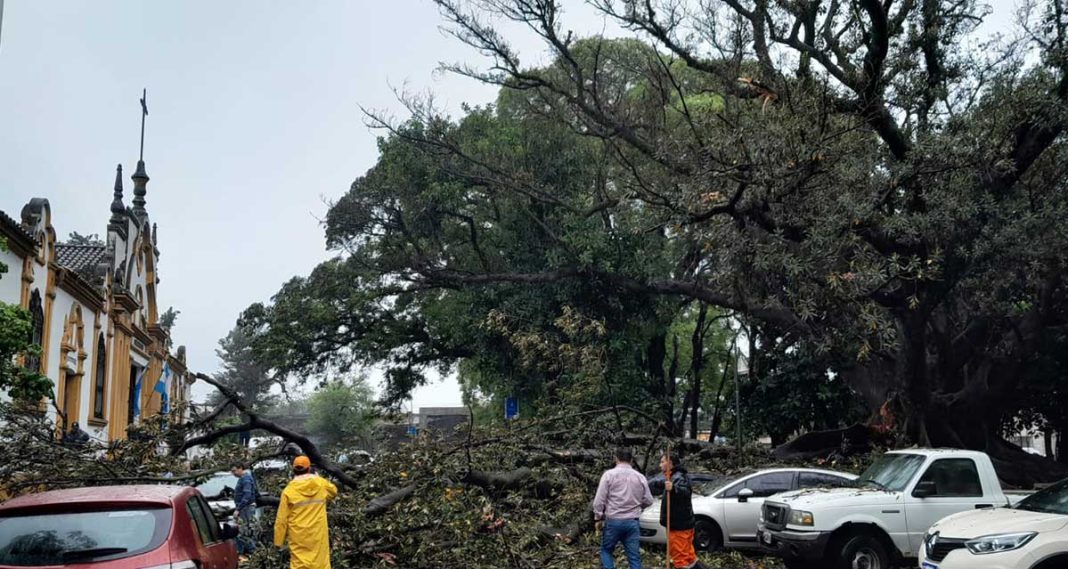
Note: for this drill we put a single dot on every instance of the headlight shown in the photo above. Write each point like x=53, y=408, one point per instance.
x=800, y=518
x=998, y=543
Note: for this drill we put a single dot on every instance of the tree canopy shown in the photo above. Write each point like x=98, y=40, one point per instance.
x=871, y=181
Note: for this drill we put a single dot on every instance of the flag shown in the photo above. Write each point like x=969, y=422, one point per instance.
x=162, y=388
x=137, y=393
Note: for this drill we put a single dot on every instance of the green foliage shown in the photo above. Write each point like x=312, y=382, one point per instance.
x=382, y=301
x=341, y=411
x=794, y=392
x=76, y=238
x=242, y=373
x=168, y=318
x=15, y=332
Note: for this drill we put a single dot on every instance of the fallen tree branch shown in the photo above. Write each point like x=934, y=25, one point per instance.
x=256, y=422
x=383, y=503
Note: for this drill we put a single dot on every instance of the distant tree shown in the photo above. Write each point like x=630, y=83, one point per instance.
x=168, y=318
x=241, y=372
x=341, y=411
x=76, y=238
x=15, y=328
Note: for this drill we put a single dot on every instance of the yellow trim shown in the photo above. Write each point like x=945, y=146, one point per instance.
x=100, y=342
x=27, y=280
x=120, y=383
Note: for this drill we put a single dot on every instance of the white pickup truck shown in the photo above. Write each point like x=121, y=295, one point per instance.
x=883, y=520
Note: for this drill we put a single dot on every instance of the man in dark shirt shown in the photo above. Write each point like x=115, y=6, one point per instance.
x=244, y=508
x=680, y=537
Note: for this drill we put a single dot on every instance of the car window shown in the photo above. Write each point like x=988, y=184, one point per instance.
x=821, y=480
x=769, y=484
x=892, y=471
x=213, y=524
x=763, y=485
x=954, y=478
x=66, y=538
x=202, y=521
x=704, y=487
x=215, y=485
x=1052, y=500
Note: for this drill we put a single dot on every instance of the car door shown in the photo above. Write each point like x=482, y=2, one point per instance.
x=741, y=516
x=215, y=552
x=957, y=488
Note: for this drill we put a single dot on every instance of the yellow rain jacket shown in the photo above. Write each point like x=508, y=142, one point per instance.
x=302, y=516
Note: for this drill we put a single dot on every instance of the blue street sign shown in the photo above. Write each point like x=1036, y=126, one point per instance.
x=511, y=408
x=413, y=430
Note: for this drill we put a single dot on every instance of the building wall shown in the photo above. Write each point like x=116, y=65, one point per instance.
x=10, y=282
x=126, y=320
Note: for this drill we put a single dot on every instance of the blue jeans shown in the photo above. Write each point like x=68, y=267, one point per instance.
x=246, y=540
x=627, y=532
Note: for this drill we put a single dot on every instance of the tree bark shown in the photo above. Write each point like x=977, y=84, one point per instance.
x=697, y=364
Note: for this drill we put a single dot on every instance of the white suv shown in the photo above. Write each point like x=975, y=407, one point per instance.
x=727, y=509
x=1030, y=535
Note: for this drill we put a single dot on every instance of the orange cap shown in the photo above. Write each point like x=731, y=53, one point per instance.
x=302, y=462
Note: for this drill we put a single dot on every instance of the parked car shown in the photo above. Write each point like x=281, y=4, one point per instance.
x=218, y=490
x=885, y=519
x=698, y=479
x=1030, y=535
x=727, y=508
x=115, y=527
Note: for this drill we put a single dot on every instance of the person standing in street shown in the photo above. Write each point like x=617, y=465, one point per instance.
x=680, y=537
x=244, y=509
x=302, y=518
x=621, y=496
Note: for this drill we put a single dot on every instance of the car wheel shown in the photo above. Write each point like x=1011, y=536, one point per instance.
x=707, y=536
x=862, y=552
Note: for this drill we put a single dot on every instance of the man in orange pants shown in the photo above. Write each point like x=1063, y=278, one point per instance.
x=680, y=537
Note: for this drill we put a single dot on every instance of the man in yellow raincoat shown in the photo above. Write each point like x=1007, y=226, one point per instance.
x=302, y=517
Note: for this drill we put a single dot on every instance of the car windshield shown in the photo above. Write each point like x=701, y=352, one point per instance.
x=1052, y=500
x=708, y=485
x=215, y=485
x=892, y=472
x=62, y=538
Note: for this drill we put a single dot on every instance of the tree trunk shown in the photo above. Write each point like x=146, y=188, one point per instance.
x=669, y=383
x=697, y=364
x=912, y=372
x=717, y=414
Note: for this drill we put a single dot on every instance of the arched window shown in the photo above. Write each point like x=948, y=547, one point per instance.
x=100, y=379
x=33, y=362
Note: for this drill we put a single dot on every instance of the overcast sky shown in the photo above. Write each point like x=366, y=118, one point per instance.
x=254, y=123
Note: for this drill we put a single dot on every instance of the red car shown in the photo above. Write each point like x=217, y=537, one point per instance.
x=115, y=527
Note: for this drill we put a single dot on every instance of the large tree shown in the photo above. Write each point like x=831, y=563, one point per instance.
x=874, y=181
x=861, y=176
x=443, y=200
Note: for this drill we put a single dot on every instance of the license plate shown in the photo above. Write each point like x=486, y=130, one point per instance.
x=927, y=565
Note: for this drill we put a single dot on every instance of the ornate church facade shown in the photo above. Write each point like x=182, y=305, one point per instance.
x=95, y=316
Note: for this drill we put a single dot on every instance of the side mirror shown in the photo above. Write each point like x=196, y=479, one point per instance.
x=229, y=531
x=925, y=489
x=745, y=494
